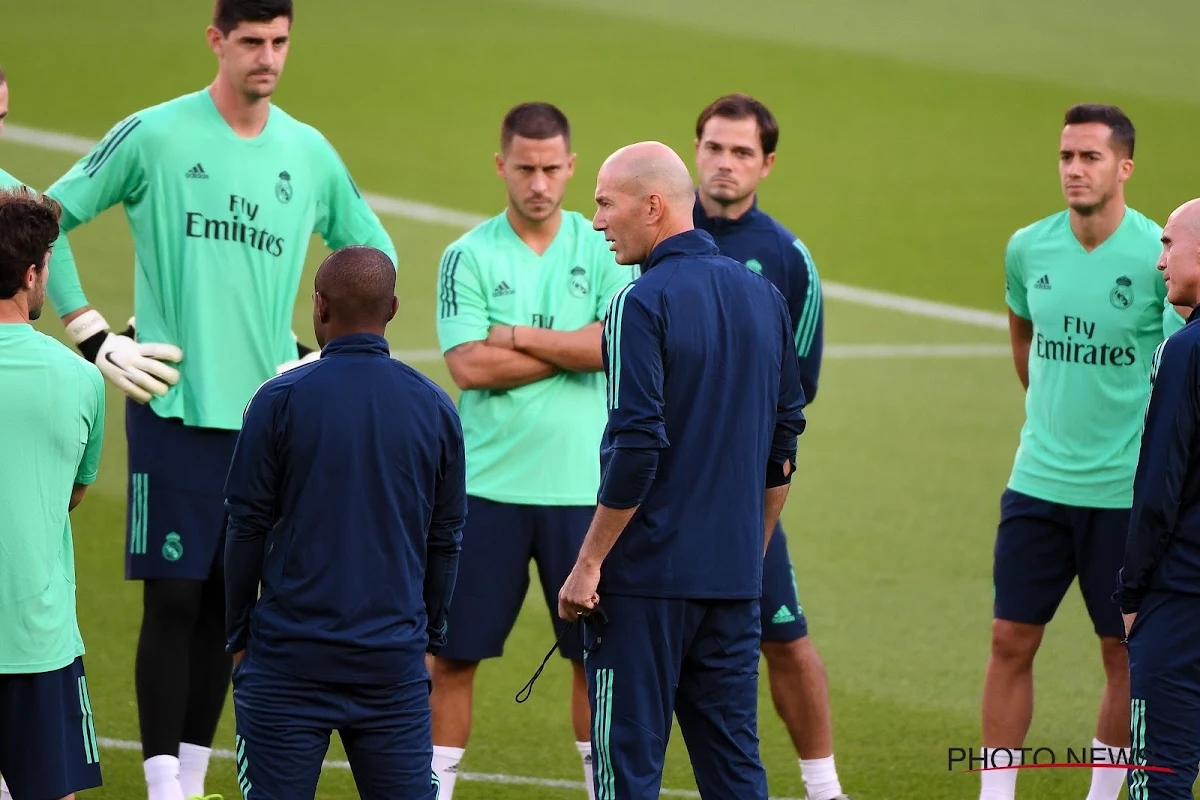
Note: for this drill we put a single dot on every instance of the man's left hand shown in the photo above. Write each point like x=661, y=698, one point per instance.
x=578, y=595
x=1129, y=618
x=501, y=336
x=238, y=656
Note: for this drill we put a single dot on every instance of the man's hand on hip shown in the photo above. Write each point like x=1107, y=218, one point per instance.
x=139, y=370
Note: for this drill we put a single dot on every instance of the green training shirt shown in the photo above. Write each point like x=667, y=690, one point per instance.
x=221, y=227
x=53, y=401
x=1097, y=319
x=537, y=444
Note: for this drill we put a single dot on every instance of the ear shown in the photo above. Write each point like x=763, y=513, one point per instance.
x=500, y=164
x=571, y=165
x=30, y=278
x=321, y=306
x=768, y=162
x=654, y=208
x=216, y=40
x=395, y=308
x=1126, y=169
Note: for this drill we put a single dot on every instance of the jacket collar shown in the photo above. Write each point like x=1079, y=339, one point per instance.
x=723, y=224
x=359, y=343
x=694, y=243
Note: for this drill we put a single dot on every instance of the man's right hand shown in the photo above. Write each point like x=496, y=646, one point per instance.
x=138, y=370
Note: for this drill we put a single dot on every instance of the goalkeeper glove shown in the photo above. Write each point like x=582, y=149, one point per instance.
x=139, y=370
x=304, y=355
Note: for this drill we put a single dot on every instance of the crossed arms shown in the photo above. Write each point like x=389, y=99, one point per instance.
x=517, y=355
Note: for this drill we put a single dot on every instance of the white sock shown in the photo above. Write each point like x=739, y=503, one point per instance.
x=4, y=795
x=820, y=778
x=193, y=766
x=445, y=766
x=1000, y=784
x=1107, y=782
x=585, y=752
x=162, y=778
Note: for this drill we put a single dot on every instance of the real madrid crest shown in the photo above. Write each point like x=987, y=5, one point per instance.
x=1122, y=294
x=283, y=189
x=579, y=285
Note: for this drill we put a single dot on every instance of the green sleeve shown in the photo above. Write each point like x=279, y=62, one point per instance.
x=1014, y=282
x=112, y=172
x=612, y=277
x=62, y=261
x=462, y=314
x=90, y=465
x=343, y=216
x=62, y=284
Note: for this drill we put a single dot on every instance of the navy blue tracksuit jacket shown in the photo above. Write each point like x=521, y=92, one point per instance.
x=346, y=500
x=1162, y=553
x=1160, y=578
x=704, y=391
x=764, y=245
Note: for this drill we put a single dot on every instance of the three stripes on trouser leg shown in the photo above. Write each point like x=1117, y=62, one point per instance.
x=90, y=747
x=606, y=785
x=1138, y=779
x=243, y=764
x=137, y=508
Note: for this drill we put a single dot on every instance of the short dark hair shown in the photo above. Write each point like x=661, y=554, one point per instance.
x=28, y=226
x=358, y=282
x=534, y=121
x=743, y=106
x=1123, y=134
x=228, y=14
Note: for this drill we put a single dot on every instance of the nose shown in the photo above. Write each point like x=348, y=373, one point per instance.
x=539, y=183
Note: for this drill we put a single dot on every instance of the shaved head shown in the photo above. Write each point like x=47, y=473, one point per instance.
x=355, y=292
x=647, y=167
x=1180, y=259
x=644, y=195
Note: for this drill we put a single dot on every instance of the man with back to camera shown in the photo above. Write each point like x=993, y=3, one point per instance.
x=1159, y=587
x=346, y=499
x=1087, y=309
x=519, y=302
x=736, y=136
x=705, y=404
x=54, y=402
x=222, y=189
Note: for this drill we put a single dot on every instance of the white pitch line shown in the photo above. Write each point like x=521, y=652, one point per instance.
x=424, y=212
x=834, y=352
x=478, y=777
x=839, y=351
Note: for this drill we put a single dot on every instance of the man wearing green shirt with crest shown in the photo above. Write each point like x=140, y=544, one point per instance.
x=48, y=744
x=1087, y=308
x=519, y=308
x=222, y=190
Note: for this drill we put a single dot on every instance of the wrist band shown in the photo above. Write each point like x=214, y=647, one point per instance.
x=85, y=326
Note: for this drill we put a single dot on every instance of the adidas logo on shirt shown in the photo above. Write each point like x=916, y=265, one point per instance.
x=782, y=616
x=1043, y=282
x=502, y=290
x=196, y=172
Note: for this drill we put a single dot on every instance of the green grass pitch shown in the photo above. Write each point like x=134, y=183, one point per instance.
x=916, y=136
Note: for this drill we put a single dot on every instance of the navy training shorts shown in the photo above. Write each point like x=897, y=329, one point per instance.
x=175, y=514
